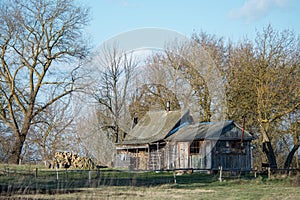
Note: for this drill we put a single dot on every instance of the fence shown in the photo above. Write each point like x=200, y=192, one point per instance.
x=44, y=181
x=268, y=172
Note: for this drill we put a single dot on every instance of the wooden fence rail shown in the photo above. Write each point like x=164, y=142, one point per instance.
x=267, y=171
x=103, y=176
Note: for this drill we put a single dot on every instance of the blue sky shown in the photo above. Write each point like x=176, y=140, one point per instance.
x=232, y=19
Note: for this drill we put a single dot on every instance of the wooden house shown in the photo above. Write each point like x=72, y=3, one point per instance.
x=166, y=140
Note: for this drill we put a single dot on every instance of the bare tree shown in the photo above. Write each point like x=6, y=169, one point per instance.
x=54, y=131
x=37, y=38
x=155, y=87
x=115, y=69
x=198, y=62
x=6, y=141
x=94, y=140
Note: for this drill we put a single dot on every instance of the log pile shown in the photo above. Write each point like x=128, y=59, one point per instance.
x=70, y=160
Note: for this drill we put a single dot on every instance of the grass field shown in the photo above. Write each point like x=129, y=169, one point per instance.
x=148, y=185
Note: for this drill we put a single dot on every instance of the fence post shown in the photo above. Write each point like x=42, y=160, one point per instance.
x=67, y=174
x=174, y=174
x=89, y=172
x=56, y=173
x=220, y=169
x=269, y=172
x=290, y=173
x=36, y=173
x=255, y=172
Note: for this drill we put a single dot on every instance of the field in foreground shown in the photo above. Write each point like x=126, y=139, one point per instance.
x=234, y=189
x=147, y=185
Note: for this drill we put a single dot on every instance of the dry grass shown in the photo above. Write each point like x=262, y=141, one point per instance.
x=124, y=185
x=235, y=189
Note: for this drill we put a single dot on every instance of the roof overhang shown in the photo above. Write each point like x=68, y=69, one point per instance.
x=124, y=147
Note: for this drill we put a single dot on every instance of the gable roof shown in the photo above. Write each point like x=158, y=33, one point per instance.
x=226, y=130
x=155, y=126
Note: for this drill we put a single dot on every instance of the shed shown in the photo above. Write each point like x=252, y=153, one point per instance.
x=166, y=140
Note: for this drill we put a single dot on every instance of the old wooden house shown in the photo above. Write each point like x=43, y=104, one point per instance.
x=172, y=140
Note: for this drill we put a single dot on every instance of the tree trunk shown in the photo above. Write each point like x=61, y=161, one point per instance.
x=20, y=139
x=289, y=158
x=268, y=150
x=15, y=154
x=117, y=133
x=267, y=146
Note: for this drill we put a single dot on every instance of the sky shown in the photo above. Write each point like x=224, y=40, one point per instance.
x=230, y=19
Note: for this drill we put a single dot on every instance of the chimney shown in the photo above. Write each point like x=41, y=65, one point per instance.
x=168, y=106
x=135, y=121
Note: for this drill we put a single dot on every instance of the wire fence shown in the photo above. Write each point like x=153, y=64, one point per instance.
x=46, y=181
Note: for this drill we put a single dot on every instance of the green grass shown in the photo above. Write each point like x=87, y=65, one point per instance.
x=147, y=185
x=233, y=189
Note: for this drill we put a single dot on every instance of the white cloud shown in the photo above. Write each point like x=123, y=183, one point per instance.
x=253, y=10
x=124, y=3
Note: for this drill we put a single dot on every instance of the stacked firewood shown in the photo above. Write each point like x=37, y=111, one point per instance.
x=70, y=160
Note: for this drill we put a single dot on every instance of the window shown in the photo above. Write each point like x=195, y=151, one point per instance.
x=232, y=147
x=195, y=147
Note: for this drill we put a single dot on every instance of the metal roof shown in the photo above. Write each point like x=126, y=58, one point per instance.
x=154, y=126
x=226, y=130
x=178, y=126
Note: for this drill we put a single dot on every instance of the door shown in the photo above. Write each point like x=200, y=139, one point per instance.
x=183, y=154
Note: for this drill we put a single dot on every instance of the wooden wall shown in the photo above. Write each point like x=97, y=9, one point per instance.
x=176, y=155
x=233, y=159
